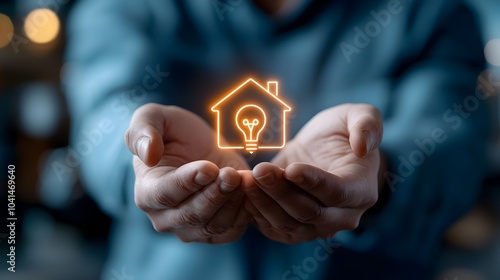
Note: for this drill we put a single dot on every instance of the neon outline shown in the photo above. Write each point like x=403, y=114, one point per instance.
x=287, y=109
x=248, y=142
x=276, y=87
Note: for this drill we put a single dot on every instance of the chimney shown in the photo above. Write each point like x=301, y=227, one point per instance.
x=272, y=87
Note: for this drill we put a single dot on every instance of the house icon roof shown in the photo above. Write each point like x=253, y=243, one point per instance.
x=271, y=91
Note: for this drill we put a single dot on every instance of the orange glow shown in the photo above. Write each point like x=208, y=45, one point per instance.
x=251, y=119
x=6, y=30
x=251, y=138
x=41, y=26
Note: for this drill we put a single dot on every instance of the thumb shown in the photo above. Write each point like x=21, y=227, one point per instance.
x=364, y=123
x=144, y=135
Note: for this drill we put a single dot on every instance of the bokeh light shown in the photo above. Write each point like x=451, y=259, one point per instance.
x=6, y=30
x=41, y=26
x=492, y=52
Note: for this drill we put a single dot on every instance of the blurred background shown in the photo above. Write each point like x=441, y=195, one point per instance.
x=61, y=233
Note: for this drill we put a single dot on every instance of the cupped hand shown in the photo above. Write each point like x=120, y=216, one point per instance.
x=183, y=183
x=322, y=181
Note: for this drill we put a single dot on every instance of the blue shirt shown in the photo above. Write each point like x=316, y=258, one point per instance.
x=416, y=61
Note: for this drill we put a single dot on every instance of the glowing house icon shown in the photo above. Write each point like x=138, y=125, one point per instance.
x=251, y=117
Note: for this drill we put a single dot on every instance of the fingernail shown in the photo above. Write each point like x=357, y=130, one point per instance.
x=227, y=188
x=142, y=147
x=369, y=140
x=203, y=179
x=267, y=180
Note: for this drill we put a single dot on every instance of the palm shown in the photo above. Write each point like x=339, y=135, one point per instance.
x=324, y=142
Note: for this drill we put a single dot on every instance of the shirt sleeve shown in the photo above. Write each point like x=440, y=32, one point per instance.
x=114, y=64
x=435, y=139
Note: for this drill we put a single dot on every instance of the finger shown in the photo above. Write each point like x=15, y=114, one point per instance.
x=297, y=203
x=364, y=123
x=259, y=220
x=268, y=230
x=200, y=208
x=171, y=189
x=244, y=218
x=199, y=234
x=144, y=135
x=328, y=188
x=270, y=209
x=152, y=125
x=256, y=215
x=226, y=216
x=236, y=230
x=338, y=219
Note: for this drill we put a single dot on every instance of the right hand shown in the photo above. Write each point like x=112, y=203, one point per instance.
x=323, y=180
x=183, y=182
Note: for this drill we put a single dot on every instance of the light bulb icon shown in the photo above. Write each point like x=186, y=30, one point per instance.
x=251, y=120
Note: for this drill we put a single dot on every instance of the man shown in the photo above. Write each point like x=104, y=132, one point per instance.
x=414, y=61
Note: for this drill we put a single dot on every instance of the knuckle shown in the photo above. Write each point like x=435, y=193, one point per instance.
x=227, y=237
x=185, y=238
x=212, y=199
x=161, y=227
x=192, y=218
x=165, y=200
x=317, y=182
x=183, y=184
x=350, y=224
x=195, y=237
x=260, y=201
x=346, y=194
x=141, y=201
x=184, y=187
x=281, y=194
x=211, y=229
x=158, y=195
x=310, y=215
x=371, y=200
x=234, y=202
x=141, y=204
x=286, y=228
x=151, y=196
x=343, y=197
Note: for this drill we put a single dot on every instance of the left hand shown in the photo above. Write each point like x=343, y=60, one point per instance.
x=322, y=181
x=184, y=185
